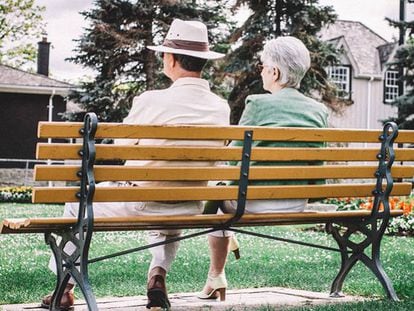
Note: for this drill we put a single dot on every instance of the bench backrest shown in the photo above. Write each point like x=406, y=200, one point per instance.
x=340, y=162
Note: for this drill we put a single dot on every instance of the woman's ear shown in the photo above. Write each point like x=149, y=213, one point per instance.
x=276, y=74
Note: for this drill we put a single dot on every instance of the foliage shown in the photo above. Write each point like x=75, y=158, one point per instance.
x=345, y=204
x=403, y=203
x=21, y=22
x=269, y=19
x=404, y=58
x=403, y=225
x=16, y=194
x=115, y=46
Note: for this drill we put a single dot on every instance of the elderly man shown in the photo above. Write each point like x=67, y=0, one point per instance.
x=188, y=100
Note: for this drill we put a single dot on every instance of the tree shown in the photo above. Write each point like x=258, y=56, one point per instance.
x=404, y=58
x=21, y=22
x=269, y=19
x=114, y=45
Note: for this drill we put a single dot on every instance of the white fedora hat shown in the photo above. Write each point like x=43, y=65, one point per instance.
x=187, y=38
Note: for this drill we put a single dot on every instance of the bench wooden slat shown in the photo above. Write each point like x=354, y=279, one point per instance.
x=119, y=173
x=112, y=130
x=132, y=194
x=108, y=152
x=31, y=225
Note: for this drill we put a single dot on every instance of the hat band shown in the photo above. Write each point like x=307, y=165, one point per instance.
x=186, y=45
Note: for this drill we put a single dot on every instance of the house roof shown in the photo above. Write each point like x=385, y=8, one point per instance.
x=386, y=52
x=362, y=42
x=340, y=43
x=13, y=80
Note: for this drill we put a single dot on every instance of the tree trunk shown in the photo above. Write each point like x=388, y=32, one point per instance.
x=150, y=59
x=278, y=14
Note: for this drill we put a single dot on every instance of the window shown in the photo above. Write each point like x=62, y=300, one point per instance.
x=390, y=85
x=341, y=76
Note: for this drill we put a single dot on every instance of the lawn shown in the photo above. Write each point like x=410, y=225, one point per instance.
x=24, y=276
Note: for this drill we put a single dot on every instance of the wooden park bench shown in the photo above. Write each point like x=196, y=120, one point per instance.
x=357, y=172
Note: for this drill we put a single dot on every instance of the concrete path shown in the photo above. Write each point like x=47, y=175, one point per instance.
x=236, y=300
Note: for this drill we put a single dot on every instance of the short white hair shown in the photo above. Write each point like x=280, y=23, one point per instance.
x=290, y=56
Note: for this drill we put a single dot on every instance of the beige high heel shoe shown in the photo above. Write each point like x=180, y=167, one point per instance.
x=218, y=285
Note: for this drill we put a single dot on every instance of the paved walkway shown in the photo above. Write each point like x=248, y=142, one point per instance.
x=236, y=300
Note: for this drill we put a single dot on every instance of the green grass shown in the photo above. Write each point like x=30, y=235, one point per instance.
x=24, y=276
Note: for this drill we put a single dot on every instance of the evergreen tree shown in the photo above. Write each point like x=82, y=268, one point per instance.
x=404, y=58
x=114, y=45
x=270, y=19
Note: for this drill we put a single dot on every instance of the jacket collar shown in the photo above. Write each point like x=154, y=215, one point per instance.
x=191, y=81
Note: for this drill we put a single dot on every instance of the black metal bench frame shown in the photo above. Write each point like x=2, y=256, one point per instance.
x=372, y=227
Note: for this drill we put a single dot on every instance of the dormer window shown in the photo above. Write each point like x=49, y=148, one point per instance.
x=390, y=86
x=341, y=76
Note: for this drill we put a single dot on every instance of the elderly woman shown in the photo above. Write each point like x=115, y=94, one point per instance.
x=285, y=61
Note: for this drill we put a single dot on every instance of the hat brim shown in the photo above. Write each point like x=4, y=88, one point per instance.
x=199, y=54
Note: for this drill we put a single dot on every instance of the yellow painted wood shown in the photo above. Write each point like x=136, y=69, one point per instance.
x=108, y=152
x=118, y=173
x=119, y=130
x=132, y=194
x=36, y=225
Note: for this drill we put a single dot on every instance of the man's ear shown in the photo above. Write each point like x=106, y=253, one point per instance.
x=172, y=60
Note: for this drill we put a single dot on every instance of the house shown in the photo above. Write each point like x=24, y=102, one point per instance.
x=362, y=76
x=25, y=99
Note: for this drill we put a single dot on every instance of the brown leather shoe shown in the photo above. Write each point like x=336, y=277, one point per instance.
x=157, y=293
x=66, y=303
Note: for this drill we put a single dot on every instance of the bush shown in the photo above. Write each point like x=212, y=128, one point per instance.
x=16, y=194
x=403, y=225
x=346, y=204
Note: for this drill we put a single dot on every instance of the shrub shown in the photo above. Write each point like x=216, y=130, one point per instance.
x=346, y=204
x=403, y=225
x=16, y=194
x=404, y=203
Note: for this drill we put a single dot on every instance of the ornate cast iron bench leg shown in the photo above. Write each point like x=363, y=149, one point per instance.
x=67, y=266
x=352, y=252
x=62, y=274
x=80, y=235
x=373, y=227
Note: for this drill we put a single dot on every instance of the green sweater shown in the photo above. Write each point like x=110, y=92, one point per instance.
x=286, y=108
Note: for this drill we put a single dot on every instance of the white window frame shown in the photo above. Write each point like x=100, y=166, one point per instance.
x=391, y=87
x=341, y=76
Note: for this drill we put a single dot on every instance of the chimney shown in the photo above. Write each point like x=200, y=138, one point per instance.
x=43, y=57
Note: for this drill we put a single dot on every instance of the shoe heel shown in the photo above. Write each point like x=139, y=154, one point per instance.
x=234, y=247
x=222, y=292
x=218, y=287
x=236, y=253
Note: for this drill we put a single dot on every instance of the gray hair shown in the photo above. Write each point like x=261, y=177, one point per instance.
x=290, y=56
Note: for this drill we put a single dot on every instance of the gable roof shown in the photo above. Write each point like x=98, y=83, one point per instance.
x=386, y=52
x=362, y=42
x=340, y=43
x=13, y=80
